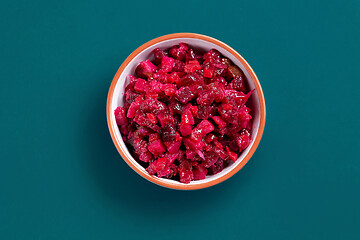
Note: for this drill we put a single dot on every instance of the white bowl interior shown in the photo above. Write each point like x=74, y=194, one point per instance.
x=118, y=99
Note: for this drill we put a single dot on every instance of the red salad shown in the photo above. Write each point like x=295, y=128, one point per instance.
x=185, y=115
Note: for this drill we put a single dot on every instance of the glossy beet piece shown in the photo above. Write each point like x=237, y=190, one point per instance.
x=145, y=69
x=185, y=113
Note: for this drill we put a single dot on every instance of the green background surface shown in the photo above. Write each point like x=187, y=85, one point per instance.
x=62, y=178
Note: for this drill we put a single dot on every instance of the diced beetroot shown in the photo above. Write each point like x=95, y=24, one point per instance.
x=140, y=118
x=152, y=118
x=153, y=137
x=243, y=114
x=210, y=137
x=174, y=147
x=120, y=116
x=179, y=66
x=143, y=131
x=184, y=95
x=232, y=155
x=175, y=107
x=193, y=143
x=185, y=129
x=169, y=89
x=190, y=154
x=158, y=54
x=210, y=159
x=220, y=65
x=152, y=105
x=169, y=134
x=204, y=112
x=165, y=119
x=201, y=155
x=155, y=87
x=218, y=79
x=187, y=117
x=146, y=156
x=158, y=120
x=141, y=85
x=157, y=165
x=167, y=64
x=192, y=66
x=185, y=171
x=145, y=69
x=212, y=56
x=199, y=172
x=173, y=77
x=237, y=84
x=244, y=140
x=203, y=128
x=156, y=147
x=190, y=55
x=221, y=123
x=191, y=79
x=217, y=167
x=220, y=152
x=208, y=72
x=234, y=71
x=134, y=107
x=194, y=110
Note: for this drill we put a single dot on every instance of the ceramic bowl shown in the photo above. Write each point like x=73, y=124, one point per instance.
x=205, y=43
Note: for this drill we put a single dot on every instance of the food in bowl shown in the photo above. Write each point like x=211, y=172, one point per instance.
x=185, y=115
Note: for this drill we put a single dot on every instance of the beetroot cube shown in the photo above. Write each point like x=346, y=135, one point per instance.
x=232, y=155
x=187, y=117
x=158, y=55
x=152, y=118
x=157, y=165
x=141, y=85
x=199, y=172
x=156, y=148
x=194, y=110
x=169, y=89
x=191, y=78
x=217, y=167
x=210, y=137
x=195, y=144
x=237, y=84
x=243, y=114
x=120, y=116
x=155, y=87
x=184, y=95
x=210, y=159
x=165, y=119
x=185, y=129
x=190, y=154
x=167, y=64
x=153, y=137
x=208, y=72
x=145, y=69
x=178, y=66
x=204, y=112
x=185, y=171
x=134, y=107
x=221, y=123
x=244, y=140
x=179, y=52
x=174, y=147
x=173, y=77
x=192, y=66
x=146, y=156
x=203, y=128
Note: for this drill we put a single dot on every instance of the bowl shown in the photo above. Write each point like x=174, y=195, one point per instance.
x=202, y=42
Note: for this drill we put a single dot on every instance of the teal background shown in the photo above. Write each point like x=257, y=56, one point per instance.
x=62, y=178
